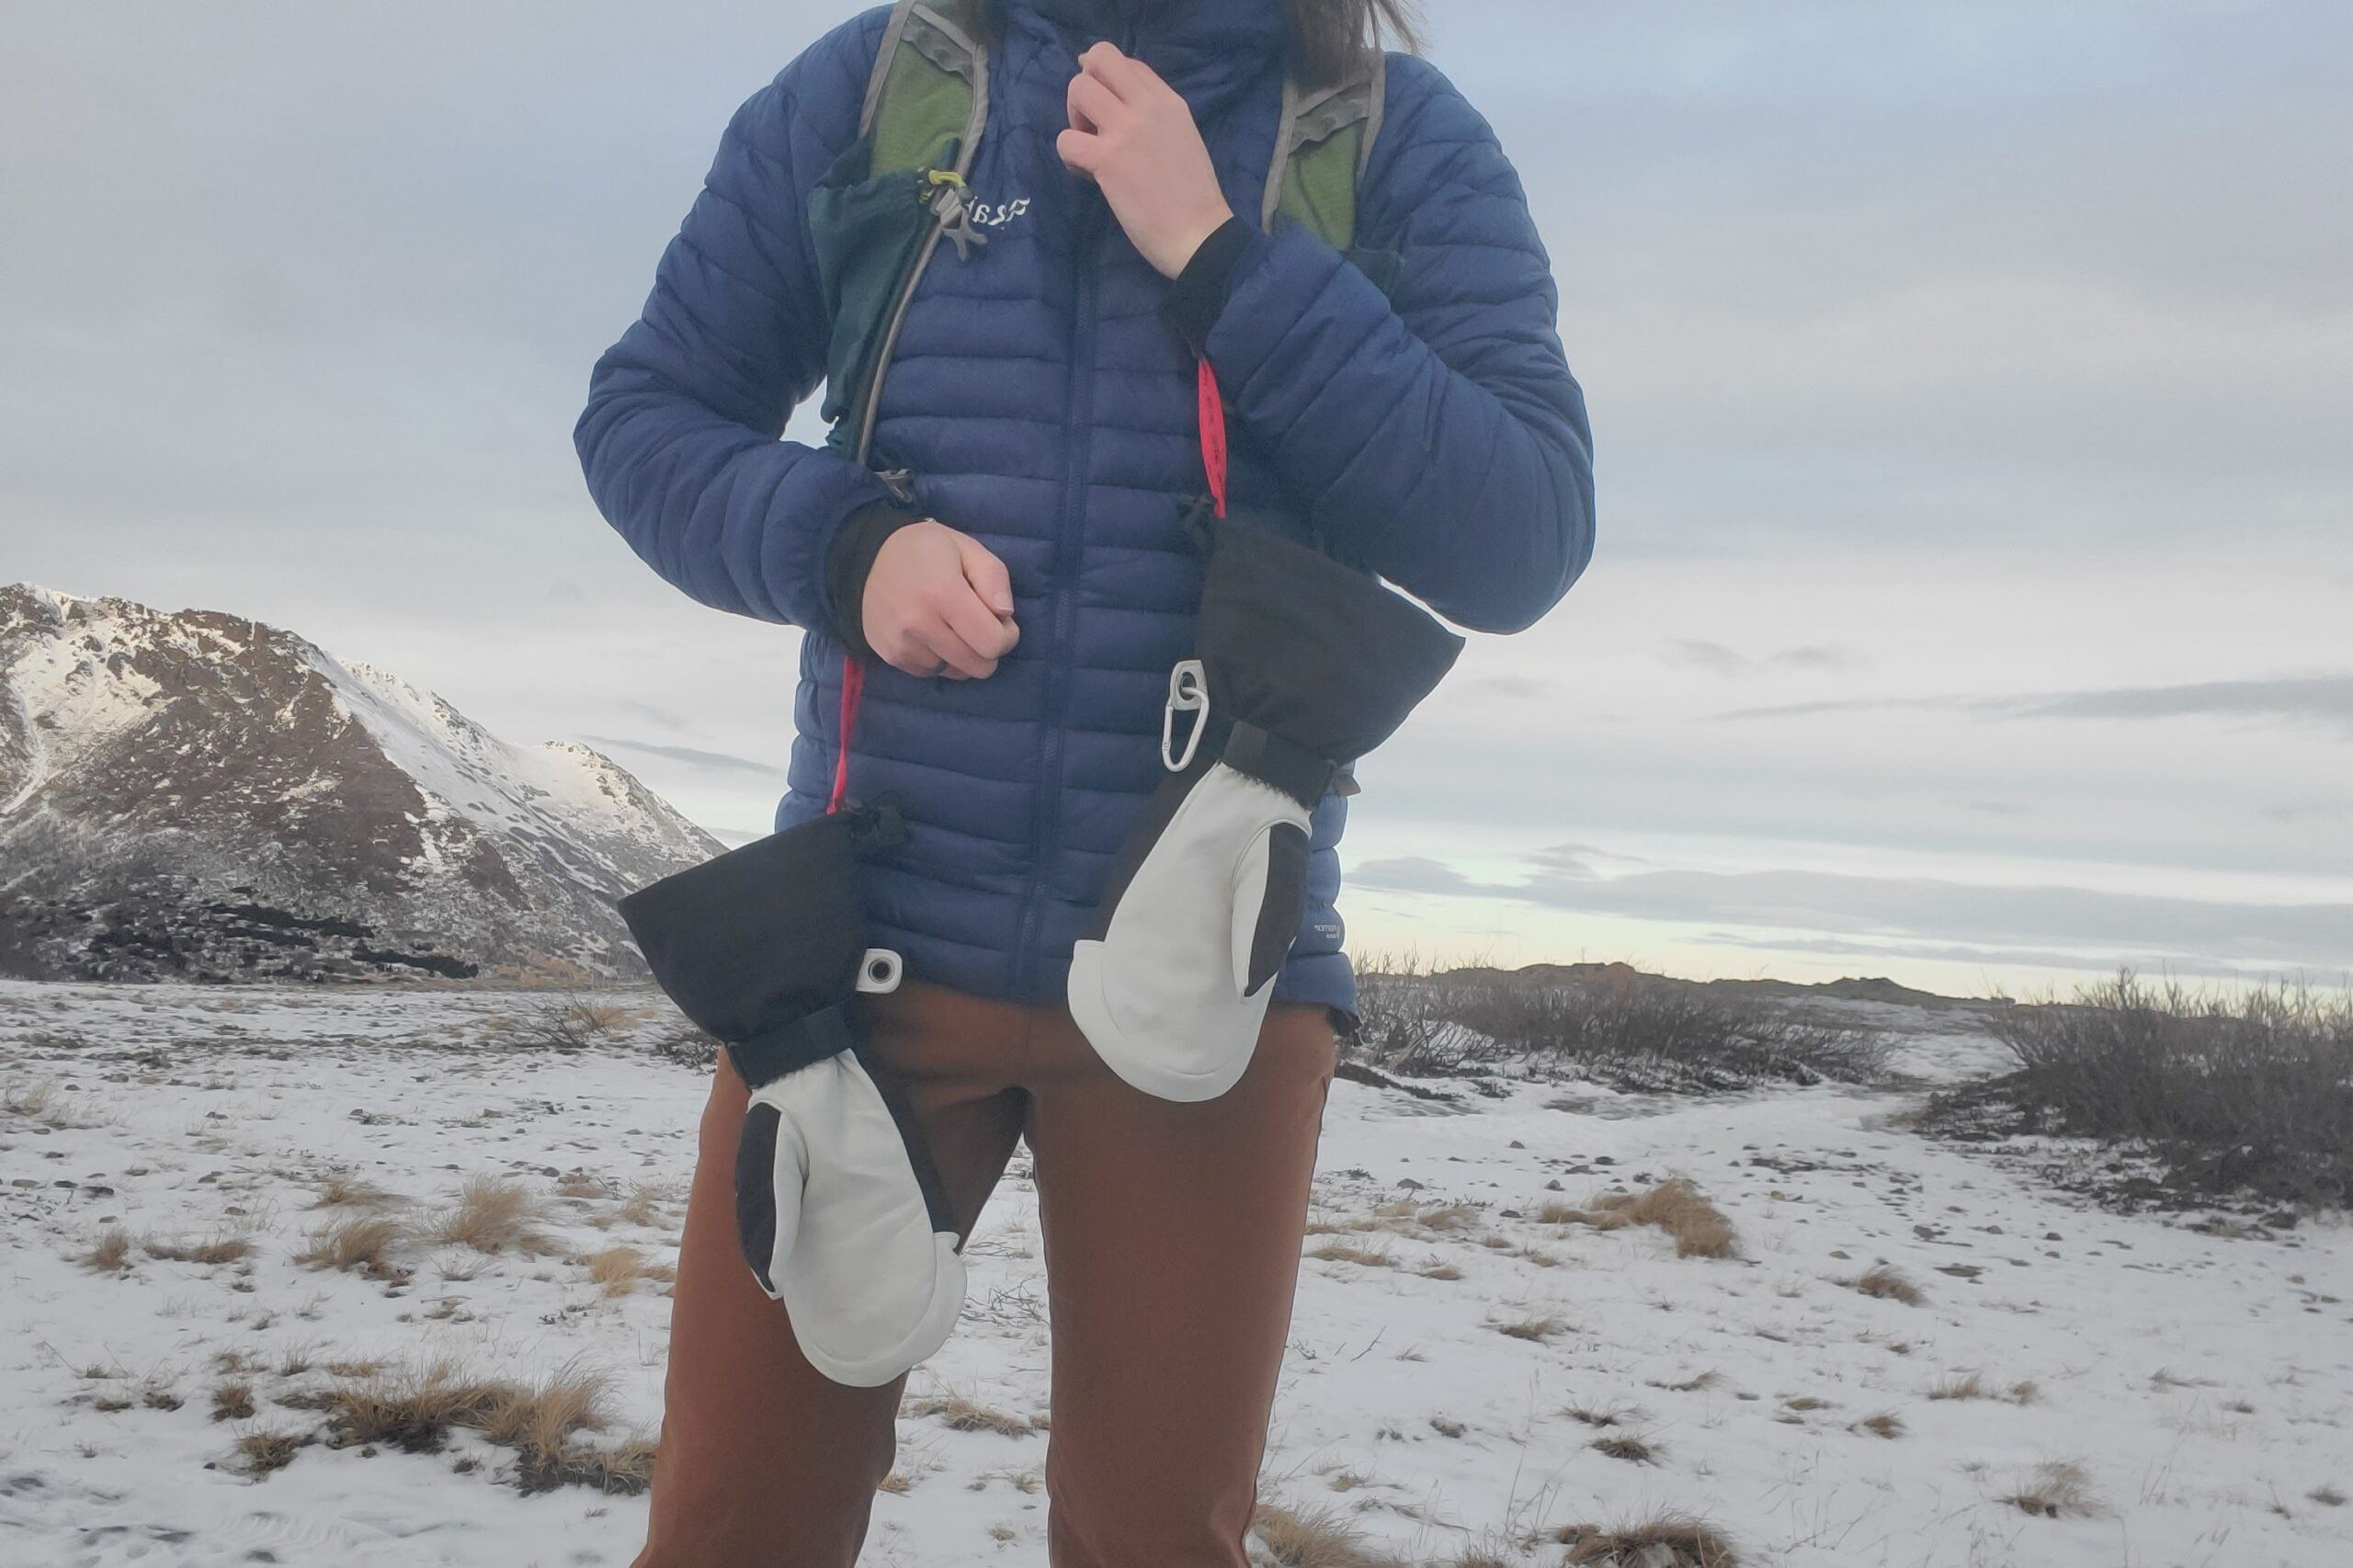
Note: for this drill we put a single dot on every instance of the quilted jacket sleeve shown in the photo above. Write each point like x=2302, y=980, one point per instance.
x=1436, y=431
x=679, y=439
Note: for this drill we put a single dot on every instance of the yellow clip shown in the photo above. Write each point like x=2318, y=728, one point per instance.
x=942, y=176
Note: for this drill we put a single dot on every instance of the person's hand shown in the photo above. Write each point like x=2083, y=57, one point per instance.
x=1134, y=135
x=938, y=603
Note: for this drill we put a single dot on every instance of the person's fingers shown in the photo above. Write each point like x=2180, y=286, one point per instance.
x=1080, y=151
x=940, y=636
x=986, y=574
x=982, y=629
x=1128, y=79
x=1092, y=104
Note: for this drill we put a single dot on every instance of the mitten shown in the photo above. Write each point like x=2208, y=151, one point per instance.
x=838, y=1207
x=1300, y=665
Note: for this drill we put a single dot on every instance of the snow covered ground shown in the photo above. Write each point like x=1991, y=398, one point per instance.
x=2184, y=1396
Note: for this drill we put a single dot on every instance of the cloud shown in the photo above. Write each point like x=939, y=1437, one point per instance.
x=720, y=760
x=1699, y=652
x=2323, y=700
x=2137, y=928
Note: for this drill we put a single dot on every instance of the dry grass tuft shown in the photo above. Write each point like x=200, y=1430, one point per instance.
x=351, y=1192
x=1313, y=1538
x=1888, y=1284
x=2327, y=1496
x=1439, y=1271
x=110, y=1254
x=1669, y=1540
x=643, y=1206
x=1354, y=1251
x=264, y=1453
x=1600, y=1418
x=414, y=1410
x=233, y=1402
x=625, y=1471
x=1536, y=1330
x=1676, y=1207
x=1972, y=1385
x=619, y=1270
x=1692, y=1384
x=357, y=1243
x=492, y=1214
x=959, y=1413
x=216, y=1249
x=411, y=1410
x=1885, y=1424
x=1623, y=1445
x=2055, y=1492
x=46, y=1102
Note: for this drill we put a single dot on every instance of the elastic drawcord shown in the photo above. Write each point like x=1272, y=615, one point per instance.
x=853, y=692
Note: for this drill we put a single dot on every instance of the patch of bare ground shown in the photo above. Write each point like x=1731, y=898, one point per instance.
x=1676, y=1207
x=1665, y=1541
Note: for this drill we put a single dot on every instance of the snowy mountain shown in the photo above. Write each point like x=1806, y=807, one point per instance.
x=198, y=794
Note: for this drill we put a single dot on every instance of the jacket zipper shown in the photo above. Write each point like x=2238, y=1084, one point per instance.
x=1070, y=539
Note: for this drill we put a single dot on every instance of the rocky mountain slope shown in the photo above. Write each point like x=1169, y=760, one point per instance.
x=198, y=794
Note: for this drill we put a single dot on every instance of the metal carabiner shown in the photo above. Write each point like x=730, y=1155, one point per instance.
x=1189, y=691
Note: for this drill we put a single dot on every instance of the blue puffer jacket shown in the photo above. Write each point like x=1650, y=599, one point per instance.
x=1431, y=434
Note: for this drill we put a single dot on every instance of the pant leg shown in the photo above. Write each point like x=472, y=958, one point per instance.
x=1172, y=1236
x=764, y=1462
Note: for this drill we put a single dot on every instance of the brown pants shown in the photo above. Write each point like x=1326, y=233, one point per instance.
x=1172, y=1236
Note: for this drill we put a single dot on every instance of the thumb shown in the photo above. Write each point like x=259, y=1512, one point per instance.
x=986, y=574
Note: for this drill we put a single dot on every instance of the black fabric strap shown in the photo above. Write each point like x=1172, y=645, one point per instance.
x=1272, y=760
x=787, y=1048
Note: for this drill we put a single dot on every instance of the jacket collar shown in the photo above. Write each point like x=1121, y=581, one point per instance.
x=1202, y=48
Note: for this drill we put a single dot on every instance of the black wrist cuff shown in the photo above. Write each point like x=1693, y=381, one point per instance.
x=1198, y=296
x=849, y=563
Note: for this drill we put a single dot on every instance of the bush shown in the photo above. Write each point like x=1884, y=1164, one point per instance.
x=1635, y=1032
x=2231, y=1094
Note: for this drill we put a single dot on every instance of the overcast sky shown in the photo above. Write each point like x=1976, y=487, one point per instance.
x=1973, y=387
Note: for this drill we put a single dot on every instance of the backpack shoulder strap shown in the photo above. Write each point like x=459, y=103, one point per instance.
x=1323, y=148
x=928, y=100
